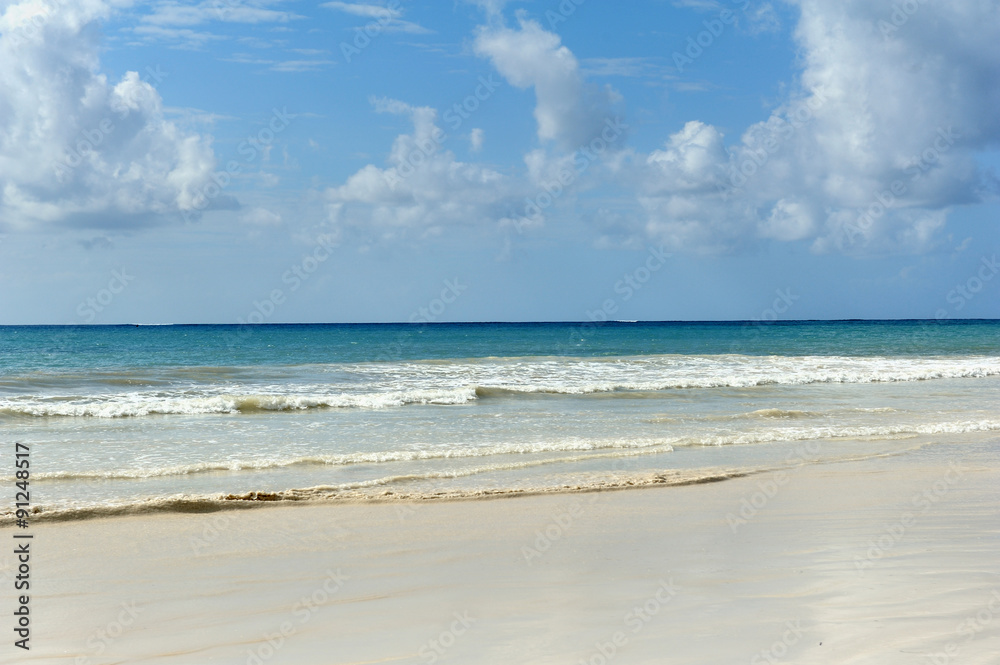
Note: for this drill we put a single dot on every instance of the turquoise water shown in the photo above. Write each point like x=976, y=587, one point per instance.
x=26, y=348
x=140, y=416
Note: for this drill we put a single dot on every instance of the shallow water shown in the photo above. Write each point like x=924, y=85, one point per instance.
x=131, y=416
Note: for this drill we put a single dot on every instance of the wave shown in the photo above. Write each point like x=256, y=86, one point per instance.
x=383, y=490
x=618, y=447
x=379, y=457
x=869, y=432
x=133, y=404
x=768, y=414
x=738, y=372
x=453, y=382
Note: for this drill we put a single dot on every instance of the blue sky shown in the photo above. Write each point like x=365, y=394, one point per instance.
x=283, y=161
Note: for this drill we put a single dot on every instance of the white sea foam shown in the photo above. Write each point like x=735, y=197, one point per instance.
x=570, y=444
x=381, y=385
x=596, y=447
x=144, y=404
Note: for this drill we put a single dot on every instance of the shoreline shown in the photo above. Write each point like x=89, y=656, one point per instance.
x=324, y=495
x=553, y=578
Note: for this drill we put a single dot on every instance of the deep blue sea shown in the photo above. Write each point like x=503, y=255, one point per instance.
x=128, y=418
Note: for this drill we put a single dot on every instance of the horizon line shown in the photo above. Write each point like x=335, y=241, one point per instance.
x=497, y=322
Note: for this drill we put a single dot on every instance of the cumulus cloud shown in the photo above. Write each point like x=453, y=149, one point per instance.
x=74, y=147
x=870, y=153
x=569, y=111
x=870, y=150
x=423, y=187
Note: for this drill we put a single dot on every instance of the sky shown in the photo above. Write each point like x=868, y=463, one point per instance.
x=271, y=161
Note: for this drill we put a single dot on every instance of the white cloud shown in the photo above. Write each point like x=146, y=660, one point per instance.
x=629, y=67
x=74, y=147
x=184, y=38
x=423, y=188
x=762, y=18
x=476, y=139
x=692, y=159
x=789, y=220
x=228, y=11
x=907, y=108
x=261, y=217
x=365, y=10
x=492, y=8
x=569, y=111
x=886, y=124
x=388, y=17
x=173, y=22
x=301, y=65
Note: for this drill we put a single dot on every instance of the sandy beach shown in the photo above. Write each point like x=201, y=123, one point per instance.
x=500, y=333
x=890, y=560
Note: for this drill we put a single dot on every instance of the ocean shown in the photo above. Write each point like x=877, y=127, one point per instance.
x=124, y=419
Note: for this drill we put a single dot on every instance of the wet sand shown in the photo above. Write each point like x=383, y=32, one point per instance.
x=890, y=560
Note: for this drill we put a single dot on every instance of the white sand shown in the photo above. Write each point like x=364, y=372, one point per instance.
x=786, y=587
